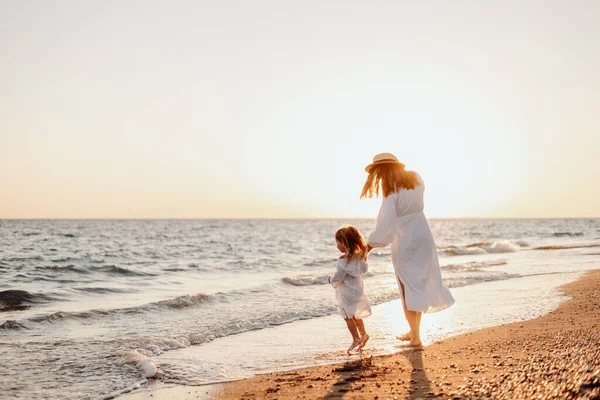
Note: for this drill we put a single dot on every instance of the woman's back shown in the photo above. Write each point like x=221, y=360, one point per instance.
x=409, y=201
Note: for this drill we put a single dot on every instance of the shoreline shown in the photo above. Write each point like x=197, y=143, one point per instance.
x=479, y=363
x=556, y=355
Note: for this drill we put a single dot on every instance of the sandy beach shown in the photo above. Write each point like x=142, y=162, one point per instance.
x=555, y=356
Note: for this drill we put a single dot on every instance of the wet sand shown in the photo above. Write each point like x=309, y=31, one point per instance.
x=555, y=356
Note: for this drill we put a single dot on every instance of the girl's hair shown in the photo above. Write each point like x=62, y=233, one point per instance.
x=389, y=178
x=353, y=242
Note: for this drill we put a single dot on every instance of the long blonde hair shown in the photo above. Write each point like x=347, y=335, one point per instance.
x=389, y=177
x=356, y=246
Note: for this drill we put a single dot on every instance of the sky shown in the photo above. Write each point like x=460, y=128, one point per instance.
x=272, y=109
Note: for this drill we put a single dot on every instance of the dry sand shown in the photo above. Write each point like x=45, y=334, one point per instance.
x=555, y=356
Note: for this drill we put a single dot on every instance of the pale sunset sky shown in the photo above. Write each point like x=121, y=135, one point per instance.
x=272, y=109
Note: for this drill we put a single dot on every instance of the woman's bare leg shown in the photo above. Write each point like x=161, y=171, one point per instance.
x=364, y=337
x=354, y=332
x=414, y=321
x=405, y=336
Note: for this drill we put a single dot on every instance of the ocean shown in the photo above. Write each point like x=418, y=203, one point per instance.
x=90, y=309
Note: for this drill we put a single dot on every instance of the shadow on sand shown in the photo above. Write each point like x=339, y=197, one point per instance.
x=351, y=377
x=419, y=383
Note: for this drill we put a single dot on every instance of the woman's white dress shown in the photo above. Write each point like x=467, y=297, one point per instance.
x=348, y=285
x=402, y=224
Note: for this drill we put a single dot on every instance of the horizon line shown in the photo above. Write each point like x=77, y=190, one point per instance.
x=265, y=218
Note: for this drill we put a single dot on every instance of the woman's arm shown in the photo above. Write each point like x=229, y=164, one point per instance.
x=386, y=224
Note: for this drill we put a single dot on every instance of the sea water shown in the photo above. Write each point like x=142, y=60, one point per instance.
x=91, y=309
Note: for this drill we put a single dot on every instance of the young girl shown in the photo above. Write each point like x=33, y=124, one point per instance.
x=352, y=302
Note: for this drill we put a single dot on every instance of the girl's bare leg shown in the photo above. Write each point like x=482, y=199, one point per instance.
x=364, y=337
x=414, y=321
x=354, y=332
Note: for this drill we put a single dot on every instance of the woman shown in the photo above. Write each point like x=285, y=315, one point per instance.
x=402, y=224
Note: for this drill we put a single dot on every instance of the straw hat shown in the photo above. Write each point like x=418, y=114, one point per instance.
x=383, y=158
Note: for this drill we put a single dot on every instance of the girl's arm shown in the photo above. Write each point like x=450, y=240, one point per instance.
x=364, y=266
x=386, y=224
x=337, y=278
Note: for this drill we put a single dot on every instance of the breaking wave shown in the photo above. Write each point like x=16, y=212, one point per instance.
x=504, y=246
x=185, y=301
x=12, y=325
x=14, y=301
x=306, y=280
x=472, y=266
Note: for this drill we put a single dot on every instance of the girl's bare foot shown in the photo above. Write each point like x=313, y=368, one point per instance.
x=355, y=343
x=405, y=337
x=415, y=343
x=363, y=342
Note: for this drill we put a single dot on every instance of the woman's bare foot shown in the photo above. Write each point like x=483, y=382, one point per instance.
x=363, y=342
x=355, y=343
x=405, y=337
x=410, y=345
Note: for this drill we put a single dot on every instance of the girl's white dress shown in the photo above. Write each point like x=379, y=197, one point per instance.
x=402, y=224
x=349, y=291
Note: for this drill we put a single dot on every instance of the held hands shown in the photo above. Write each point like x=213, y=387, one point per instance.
x=366, y=254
